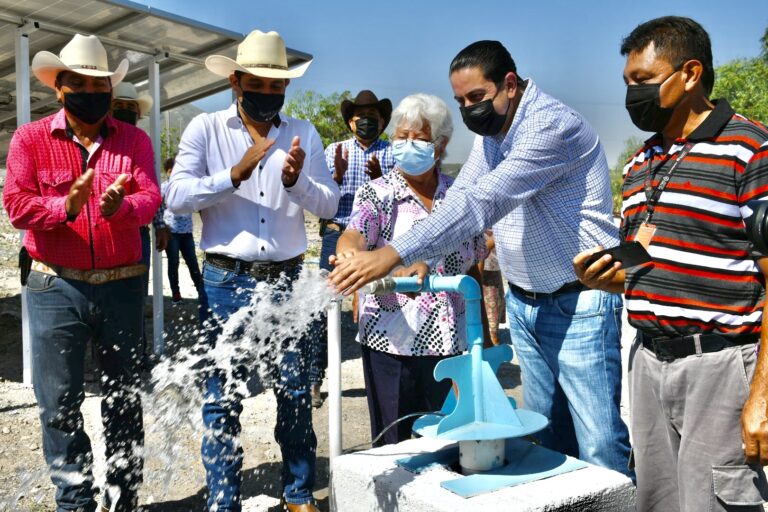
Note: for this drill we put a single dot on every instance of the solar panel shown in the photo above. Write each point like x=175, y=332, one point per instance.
x=127, y=30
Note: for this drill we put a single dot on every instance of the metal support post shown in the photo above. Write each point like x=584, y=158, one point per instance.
x=24, y=115
x=334, y=380
x=157, y=260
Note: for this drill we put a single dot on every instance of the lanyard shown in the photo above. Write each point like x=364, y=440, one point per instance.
x=652, y=195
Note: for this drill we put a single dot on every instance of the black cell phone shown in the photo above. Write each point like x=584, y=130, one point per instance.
x=629, y=254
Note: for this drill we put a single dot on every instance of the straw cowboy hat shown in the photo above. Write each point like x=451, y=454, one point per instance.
x=260, y=54
x=84, y=55
x=366, y=99
x=127, y=91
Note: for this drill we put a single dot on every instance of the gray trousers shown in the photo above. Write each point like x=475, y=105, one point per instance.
x=686, y=428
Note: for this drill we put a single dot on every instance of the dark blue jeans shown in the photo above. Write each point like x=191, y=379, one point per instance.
x=64, y=316
x=319, y=357
x=227, y=292
x=184, y=243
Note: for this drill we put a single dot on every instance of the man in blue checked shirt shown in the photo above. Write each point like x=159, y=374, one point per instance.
x=537, y=176
x=353, y=163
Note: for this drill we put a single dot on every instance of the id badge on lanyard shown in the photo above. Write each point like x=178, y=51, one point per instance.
x=647, y=229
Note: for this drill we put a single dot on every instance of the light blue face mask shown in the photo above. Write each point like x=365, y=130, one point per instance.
x=413, y=157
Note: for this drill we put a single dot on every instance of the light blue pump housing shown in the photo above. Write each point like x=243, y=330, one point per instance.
x=482, y=411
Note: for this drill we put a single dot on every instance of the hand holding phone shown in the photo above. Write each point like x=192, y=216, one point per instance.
x=629, y=254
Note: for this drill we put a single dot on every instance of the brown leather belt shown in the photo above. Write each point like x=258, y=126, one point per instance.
x=260, y=269
x=573, y=286
x=95, y=276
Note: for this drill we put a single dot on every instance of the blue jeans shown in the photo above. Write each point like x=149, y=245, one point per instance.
x=319, y=357
x=570, y=357
x=64, y=316
x=184, y=243
x=227, y=292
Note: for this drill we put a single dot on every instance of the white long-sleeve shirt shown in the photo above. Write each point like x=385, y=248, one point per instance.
x=261, y=219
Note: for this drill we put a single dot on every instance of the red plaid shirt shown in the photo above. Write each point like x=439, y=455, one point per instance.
x=43, y=162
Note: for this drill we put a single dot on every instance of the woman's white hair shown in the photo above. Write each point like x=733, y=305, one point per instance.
x=417, y=108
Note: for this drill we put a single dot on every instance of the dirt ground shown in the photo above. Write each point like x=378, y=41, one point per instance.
x=24, y=482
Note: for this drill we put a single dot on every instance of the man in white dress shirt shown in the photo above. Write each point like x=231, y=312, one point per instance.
x=251, y=172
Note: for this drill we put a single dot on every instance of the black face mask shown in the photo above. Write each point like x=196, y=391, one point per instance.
x=261, y=107
x=367, y=128
x=643, y=102
x=482, y=118
x=89, y=107
x=128, y=116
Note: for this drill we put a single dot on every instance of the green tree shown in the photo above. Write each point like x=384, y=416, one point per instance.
x=169, y=143
x=631, y=145
x=321, y=111
x=764, y=42
x=744, y=83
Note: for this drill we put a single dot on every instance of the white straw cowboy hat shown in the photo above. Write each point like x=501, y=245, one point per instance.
x=84, y=55
x=261, y=54
x=127, y=91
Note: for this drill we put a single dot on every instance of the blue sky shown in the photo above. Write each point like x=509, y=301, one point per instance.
x=397, y=47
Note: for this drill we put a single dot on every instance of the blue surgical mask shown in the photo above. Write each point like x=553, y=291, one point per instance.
x=413, y=157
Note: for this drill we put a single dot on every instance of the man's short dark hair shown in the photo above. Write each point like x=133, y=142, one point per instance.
x=490, y=56
x=677, y=40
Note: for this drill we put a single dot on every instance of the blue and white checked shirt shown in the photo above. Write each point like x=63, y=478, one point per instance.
x=356, y=177
x=176, y=222
x=544, y=188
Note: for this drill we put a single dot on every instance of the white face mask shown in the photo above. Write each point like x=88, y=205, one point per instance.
x=414, y=157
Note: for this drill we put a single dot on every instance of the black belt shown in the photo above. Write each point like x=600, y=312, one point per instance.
x=573, y=286
x=669, y=349
x=262, y=269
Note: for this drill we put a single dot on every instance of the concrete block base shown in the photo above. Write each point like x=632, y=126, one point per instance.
x=371, y=481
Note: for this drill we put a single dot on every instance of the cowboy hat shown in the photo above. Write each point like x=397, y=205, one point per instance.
x=366, y=98
x=127, y=91
x=260, y=54
x=84, y=55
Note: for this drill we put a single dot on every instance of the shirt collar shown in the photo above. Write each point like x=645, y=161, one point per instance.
x=530, y=94
x=61, y=124
x=234, y=113
x=402, y=191
x=715, y=121
x=376, y=146
x=708, y=129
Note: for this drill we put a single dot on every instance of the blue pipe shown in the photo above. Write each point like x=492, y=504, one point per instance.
x=470, y=290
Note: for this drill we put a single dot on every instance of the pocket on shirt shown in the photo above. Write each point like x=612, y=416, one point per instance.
x=54, y=182
x=739, y=485
x=107, y=178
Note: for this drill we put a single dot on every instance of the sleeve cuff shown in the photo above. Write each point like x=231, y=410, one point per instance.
x=401, y=245
x=126, y=207
x=222, y=181
x=58, y=209
x=301, y=185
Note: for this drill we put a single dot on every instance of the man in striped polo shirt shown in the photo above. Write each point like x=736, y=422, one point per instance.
x=700, y=430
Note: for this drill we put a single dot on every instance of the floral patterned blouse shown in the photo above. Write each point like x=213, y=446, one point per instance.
x=432, y=324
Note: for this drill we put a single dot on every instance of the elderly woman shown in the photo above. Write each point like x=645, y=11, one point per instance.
x=403, y=337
